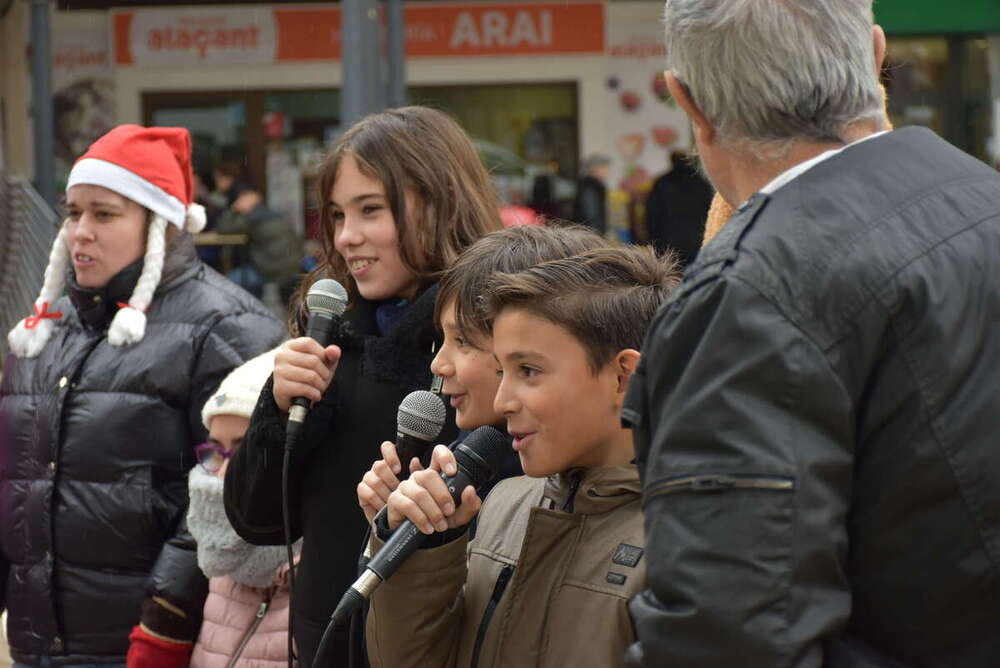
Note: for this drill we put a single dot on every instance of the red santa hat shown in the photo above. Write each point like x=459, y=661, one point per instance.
x=151, y=167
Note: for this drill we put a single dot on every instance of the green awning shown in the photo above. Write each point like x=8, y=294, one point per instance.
x=901, y=17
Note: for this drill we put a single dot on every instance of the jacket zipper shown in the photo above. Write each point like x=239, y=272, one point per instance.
x=575, y=478
x=720, y=483
x=261, y=611
x=498, y=589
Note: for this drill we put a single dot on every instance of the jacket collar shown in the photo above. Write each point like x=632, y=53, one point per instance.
x=593, y=491
x=96, y=307
x=403, y=354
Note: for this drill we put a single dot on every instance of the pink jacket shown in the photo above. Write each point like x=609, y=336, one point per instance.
x=244, y=627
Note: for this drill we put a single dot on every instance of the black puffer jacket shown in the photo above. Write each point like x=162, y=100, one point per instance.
x=339, y=443
x=817, y=418
x=93, y=485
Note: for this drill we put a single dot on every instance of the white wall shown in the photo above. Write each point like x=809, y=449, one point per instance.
x=16, y=134
x=643, y=133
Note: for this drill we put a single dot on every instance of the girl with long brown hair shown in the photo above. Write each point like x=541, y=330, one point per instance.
x=403, y=192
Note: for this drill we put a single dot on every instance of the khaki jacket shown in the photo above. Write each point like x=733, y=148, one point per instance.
x=545, y=582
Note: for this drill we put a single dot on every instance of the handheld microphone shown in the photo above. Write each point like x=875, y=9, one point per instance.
x=419, y=421
x=326, y=301
x=479, y=458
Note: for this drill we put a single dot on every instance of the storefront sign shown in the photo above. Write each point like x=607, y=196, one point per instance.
x=267, y=35
x=194, y=37
x=483, y=29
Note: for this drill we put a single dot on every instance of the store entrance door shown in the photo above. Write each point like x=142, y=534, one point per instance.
x=218, y=125
x=276, y=136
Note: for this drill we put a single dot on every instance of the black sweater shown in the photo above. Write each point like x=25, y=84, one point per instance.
x=339, y=443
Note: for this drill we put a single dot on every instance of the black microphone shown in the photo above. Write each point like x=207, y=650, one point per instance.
x=419, y=421
x=479, y=458
x=326, y=301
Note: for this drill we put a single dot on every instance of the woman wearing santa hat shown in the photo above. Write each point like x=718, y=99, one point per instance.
x=103, y=394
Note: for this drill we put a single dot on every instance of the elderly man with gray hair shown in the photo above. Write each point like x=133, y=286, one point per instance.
x=817, y=411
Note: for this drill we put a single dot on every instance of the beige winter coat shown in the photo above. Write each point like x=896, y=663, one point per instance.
x=545, y=582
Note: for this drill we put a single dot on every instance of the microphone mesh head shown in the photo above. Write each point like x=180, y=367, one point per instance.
x=491, y=446
x=327, y=296
x=421, y=415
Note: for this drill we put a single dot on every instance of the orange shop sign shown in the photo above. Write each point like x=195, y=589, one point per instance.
x=192, y=36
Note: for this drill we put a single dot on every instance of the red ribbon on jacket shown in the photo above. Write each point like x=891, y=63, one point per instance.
x=40, y=314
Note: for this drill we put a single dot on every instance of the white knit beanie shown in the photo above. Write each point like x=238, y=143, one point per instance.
x=237, y=395
x=151, y=167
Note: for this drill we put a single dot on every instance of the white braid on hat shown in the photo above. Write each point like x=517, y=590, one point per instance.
x=129, y=324
x=27, y=339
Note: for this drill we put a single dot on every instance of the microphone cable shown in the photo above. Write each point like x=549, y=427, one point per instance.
x=291, y=440
x=325, y=302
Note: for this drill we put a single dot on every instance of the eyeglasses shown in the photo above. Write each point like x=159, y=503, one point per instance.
x=211, y=457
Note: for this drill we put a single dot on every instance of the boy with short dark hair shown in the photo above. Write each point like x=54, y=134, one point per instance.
x=464, y=362
x=556, y=556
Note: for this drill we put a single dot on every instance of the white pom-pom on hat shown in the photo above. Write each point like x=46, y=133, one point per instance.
x=196, y=218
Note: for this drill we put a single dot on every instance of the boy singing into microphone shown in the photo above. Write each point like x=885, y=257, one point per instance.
x=558, y=553
x=465, y=361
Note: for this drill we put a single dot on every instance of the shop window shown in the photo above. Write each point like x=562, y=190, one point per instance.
x=276, y=136
x=942, y=83
x=298, y=125
x=526, y=134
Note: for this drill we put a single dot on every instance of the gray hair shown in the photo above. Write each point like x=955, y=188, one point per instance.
x=768, y=72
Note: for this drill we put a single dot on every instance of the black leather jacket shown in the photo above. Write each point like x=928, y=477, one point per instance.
x=93, y=482
x=817, y=417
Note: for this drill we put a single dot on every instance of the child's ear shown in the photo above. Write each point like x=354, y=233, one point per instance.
x=625, y=363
